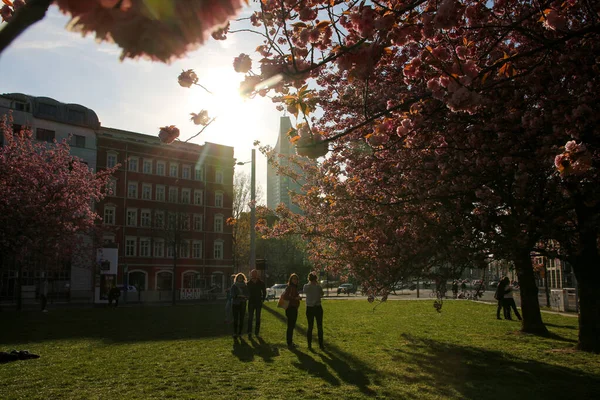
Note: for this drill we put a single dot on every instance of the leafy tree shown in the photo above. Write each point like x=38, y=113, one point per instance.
x=46, y=199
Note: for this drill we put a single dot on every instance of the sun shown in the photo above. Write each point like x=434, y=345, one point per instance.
x=232, y=111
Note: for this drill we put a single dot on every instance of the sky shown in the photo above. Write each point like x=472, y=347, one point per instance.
x=139, y=95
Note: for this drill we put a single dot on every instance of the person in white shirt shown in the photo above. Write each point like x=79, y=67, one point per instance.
x=508, y=302
x=313, y=293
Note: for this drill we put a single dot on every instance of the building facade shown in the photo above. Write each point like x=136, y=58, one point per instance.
x=280, y=186
x=167, y=213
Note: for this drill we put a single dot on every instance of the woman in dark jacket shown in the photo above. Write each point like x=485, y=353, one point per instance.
x=291, y=294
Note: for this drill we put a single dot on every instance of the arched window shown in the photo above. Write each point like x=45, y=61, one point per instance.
x=139, y=279
x=164, y=280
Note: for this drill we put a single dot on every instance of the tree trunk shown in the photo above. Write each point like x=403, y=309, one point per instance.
x=18, y=286
x=587, y=272
x=530, y=306
x=174, y=281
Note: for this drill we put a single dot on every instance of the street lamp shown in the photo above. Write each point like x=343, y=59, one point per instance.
x=252, y=261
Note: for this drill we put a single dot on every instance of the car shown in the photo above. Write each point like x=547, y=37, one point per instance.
x=276, y=290
x=130, y=288
x=346, y=288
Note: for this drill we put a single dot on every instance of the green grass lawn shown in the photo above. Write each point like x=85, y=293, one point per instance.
x=400, y=350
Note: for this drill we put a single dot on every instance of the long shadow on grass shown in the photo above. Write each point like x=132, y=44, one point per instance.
x=116, y=325
x=448, y=370
x=348, y=368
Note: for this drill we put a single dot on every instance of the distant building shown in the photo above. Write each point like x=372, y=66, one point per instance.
x=170, y=203
x=50, y=119
x=278, y=186
x=188, y=184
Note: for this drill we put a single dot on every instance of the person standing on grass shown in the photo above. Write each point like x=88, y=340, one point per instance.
x=258, y=293
x=508, y=301
x=314, y=292
x=228, y=303
x=239, y=297
x=499, y=296
x=293, y=297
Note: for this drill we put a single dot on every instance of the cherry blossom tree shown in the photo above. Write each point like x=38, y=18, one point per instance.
x=46, y=199
x=435, y=108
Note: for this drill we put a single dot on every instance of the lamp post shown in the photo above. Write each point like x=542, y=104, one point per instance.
x=252, y=261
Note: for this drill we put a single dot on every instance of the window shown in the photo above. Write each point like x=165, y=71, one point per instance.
x=184, y=249
x=159, y=248
x=172, y=195
x=112, y=187
x=160, y=168
x=108, y=239
x=219, y=199
x=197, y=222
x=171, y=221
x=185, y=171
x=170, y=250
x=109, y=215
x=78, y=141
x=185, y=222
x=173, y=170
x=131, y=217
x=147, y=191
x=132, y=188
x=218, y=223
x=218, y=250
x=48, y=109
x=160, y=193
x=111, y=160
x=147, y=166
x=130, y=246
x=198, y=195
x=21, y=106
x=199, y=173
x=159, y=219
x=185, y=196
x=164, y=280
x=44, y=135
x=146, y=218
x=219, y=176
x=144, y=247
x=76, y=116
x=197, y=249
x=133, y=164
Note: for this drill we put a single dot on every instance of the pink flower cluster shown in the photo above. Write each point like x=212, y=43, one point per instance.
x=187, y=78
x=160, y=31
x=201, y=118
x=576, y=159
x=168, y=134
x=242, y=63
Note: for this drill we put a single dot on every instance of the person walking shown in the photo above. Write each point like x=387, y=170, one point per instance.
x=508, y=301
x=499, y=296
x=258, y=294
x=239, y=297
x=314, y=292
x=293, y=297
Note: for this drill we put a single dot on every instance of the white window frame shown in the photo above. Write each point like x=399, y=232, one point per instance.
x=198, y=222
x=145, y=164
x=199, y=173
x=133, y=164
x=184, y=249
x=159, y=219
x=130, y=251
x=174, y=170
x=148, y=247
x=218, y=250
x=112, y=159
x=113, y=213
x=160, y=192
x=158, y=248
x=131, y=217
x=197, y=249
x=186, y=195
x=146, y=218
x=186, y=171
x=219, y=199
x=198, y=197
x=130, y=194
x=173, y=199
x=161, y=165
x=218, y=223
x=219, y=176
x=146, y=191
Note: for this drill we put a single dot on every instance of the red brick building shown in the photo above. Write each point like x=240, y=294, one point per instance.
x=169, y=206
